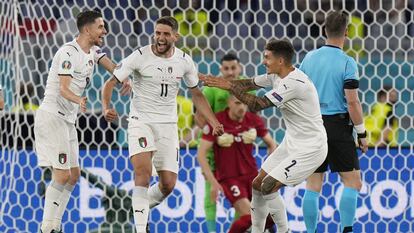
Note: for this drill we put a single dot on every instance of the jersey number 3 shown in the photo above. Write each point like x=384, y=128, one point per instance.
x=164, y=90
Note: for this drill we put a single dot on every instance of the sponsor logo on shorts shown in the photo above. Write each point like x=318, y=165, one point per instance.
x=170, y=69
x=90, y=62
x=142, y=142
x=277, y=96
x=66, y=65
x=63, y=158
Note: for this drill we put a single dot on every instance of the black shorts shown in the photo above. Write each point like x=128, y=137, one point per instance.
x=342, y=151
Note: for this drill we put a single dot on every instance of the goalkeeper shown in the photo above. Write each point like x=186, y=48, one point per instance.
x=235, y=166
x=230, y=69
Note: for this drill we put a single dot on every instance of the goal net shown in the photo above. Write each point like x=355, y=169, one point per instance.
x=380, y=39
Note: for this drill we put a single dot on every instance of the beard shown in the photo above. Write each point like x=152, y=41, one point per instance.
x=163, y=51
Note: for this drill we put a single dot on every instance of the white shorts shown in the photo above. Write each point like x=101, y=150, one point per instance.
x=160, y=138
x=292, y=166
x=56, y=141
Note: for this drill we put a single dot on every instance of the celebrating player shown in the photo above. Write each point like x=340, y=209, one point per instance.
x=337, y=86
x=304, y=146
x=152, y=130
x=54, y=126
x=235, y=166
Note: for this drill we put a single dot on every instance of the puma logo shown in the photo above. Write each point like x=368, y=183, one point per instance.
x=55, y=203
x=140, y=211
x=158, y=68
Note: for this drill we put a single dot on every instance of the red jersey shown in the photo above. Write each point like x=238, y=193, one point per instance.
x=236, y=160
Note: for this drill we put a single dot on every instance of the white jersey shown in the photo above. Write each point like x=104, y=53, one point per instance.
x=69, y=60
x=296, y=97
x=155, y=83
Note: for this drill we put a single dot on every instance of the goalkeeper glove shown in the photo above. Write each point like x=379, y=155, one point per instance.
x=249, y=136
x=225, y=140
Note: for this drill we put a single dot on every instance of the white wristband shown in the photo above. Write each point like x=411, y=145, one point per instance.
x=360, y=128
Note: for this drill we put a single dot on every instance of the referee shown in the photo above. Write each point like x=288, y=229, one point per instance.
x=335, y=76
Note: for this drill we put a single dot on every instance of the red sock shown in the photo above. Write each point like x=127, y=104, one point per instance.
x=269, y=222
x=241, y=225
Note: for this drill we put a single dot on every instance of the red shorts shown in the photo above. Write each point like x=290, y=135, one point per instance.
x=238, y=188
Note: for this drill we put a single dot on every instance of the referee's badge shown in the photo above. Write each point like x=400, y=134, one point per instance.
x=63, y=158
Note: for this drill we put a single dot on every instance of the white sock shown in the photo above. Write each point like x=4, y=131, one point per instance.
x=52, y=203
x=258, y=211
x=277, y=211
x=64, y=199
x=155, y=195
x=140, y=206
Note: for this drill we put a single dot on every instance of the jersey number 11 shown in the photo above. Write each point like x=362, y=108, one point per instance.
x=164, y=90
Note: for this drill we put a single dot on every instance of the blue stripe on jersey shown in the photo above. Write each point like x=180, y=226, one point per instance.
x=329, y=68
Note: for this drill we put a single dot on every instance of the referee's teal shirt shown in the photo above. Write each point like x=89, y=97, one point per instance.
x=331, y=71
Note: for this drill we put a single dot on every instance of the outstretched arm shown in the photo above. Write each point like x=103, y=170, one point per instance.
x=109, y=66
x=253, y=102
x=238, y=88
x=244, y=84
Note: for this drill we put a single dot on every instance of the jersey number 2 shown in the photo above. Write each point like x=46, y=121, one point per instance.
x=164, y=90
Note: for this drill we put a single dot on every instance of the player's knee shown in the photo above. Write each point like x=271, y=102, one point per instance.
x=142, y=177
x=167, y=187
x=61, y=176
x=74, y=176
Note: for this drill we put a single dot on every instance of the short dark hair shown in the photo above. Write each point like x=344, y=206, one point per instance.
x=86, y=17
x=168, y=20
x=229, y=57
x=336, y=24
x=281, y=48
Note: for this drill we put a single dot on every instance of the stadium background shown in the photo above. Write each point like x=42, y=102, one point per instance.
x=31, y=32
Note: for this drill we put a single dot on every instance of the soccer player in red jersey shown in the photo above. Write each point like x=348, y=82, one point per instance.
x=235, y=165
